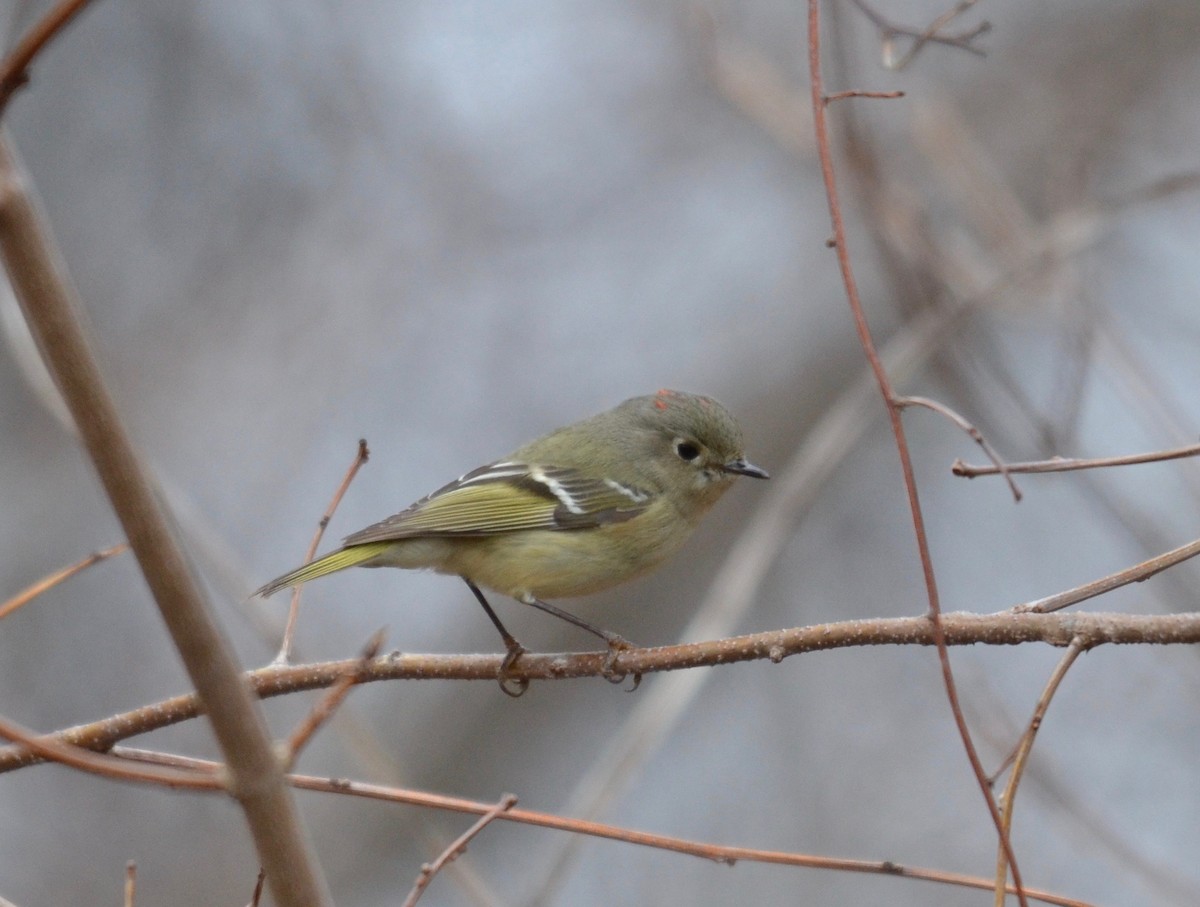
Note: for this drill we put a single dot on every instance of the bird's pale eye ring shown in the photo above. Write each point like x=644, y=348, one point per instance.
x=687, y=450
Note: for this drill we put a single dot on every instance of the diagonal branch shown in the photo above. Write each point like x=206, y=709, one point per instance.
x=14, y=72
x=29, y=593
x=50, y=304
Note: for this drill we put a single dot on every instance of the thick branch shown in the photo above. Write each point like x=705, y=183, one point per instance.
x=39, y=279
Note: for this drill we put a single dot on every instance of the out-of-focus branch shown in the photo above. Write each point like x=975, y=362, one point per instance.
x=39, y=279
x=932, y=34
x=29, y=593
x=14, y=72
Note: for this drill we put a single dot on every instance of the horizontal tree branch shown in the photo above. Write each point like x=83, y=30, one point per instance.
x=720, y=853
x=961, y=629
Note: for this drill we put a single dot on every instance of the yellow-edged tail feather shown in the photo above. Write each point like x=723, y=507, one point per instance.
x=322, y=566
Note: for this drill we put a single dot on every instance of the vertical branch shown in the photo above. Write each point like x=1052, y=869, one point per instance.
x=825, y=153
x=50, y=305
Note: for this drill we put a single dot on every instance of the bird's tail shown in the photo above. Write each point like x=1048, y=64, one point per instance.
x=330, y=563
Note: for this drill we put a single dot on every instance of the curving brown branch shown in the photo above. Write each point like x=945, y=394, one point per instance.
x=14, y=71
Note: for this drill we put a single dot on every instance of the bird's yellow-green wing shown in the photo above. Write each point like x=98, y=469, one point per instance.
x=508, y=497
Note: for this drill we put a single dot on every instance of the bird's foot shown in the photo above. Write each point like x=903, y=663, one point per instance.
x=617, y=645
x=509, y=685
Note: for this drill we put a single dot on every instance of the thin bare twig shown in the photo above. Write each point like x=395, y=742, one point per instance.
x=1068, y=464
x=50, y=303
x=1135, y=574
x=360, y=457
x=130, y=883
x=329, y=703
x=14, y=71
x=457, y=847
x=1074, y=650
x=29, y=593
x=825, y=153
x=970, y=430
x=718, y=853
x=256, y=895
x=862, y=93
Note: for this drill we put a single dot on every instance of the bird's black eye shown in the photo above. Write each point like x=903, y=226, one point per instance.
x=687, y=450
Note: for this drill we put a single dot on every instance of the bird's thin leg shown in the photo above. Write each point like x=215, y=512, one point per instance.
x=515, y=649
x=616, y=643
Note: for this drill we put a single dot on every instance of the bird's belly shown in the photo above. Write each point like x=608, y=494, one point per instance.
x=551, y=565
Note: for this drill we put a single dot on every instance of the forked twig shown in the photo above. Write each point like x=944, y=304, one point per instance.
x=360, y=457
x=931, y=34
x=456, y=848
x=970, y=430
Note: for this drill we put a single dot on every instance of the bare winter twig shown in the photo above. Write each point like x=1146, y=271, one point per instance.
x=360, y=457
x=456, y=847
x=825, y=153
x=1069, y=464
x=920, y=37
x=14, y=72
x=329, y=703
x=29, y=593
x=719, y=853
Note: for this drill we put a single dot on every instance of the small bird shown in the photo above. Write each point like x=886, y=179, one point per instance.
x=581, y=509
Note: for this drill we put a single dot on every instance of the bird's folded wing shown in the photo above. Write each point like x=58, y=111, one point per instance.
x=507, y=497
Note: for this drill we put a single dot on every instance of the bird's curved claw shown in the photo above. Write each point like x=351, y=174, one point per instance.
x=512, y=686
x=616, y=645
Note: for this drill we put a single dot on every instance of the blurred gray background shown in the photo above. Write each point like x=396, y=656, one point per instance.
x=448, y=227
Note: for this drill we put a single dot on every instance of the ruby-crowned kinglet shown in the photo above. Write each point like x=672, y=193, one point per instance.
x=578, y=510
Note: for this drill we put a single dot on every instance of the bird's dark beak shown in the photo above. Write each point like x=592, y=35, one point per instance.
x=743, y=468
